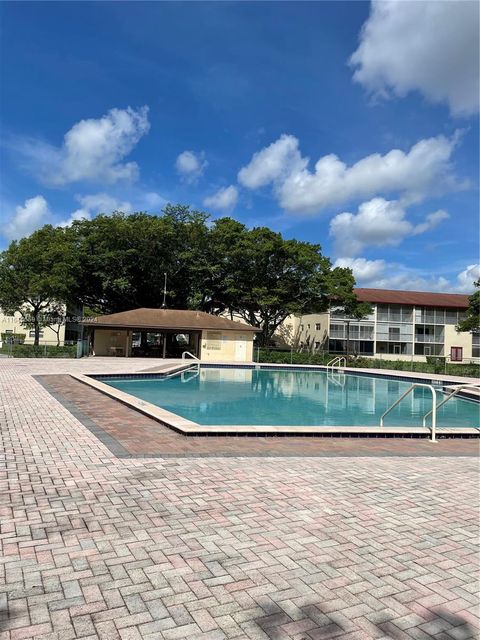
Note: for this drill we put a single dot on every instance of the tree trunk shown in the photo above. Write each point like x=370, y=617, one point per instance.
x=36, y=327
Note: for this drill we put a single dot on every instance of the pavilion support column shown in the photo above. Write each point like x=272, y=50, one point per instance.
x=164, y=345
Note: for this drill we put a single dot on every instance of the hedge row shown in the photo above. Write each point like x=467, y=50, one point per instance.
x=38, y=351
x=434, y=365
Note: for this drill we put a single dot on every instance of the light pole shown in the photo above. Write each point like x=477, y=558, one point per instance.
x=164, y=303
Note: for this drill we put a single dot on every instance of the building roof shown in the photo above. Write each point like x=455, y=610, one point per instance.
x=417, y=298
x=167, y=319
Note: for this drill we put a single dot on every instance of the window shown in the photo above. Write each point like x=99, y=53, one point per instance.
x=337, y=330
x=8, y=330
x=318, y=326
x=395, y=314
x=354, y=331
x=393, y=333
x=451, y=317
x=429, y=349
x=476, y=345
x=382, y=312
x=31, y=334
x=366, y=332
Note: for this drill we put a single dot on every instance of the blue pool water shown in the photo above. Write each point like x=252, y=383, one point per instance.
x=223, y=396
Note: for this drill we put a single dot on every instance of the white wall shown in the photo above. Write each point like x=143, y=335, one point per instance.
x=226, y=346
x=456, y=339
x=105, y=340
x=13, y=323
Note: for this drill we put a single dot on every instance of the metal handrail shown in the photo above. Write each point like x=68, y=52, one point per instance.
x=341, y=378
x=187, y=353
x=456, y=389
x=194, y=370
x=433, y=411
x=178, y=372
x=336, y=362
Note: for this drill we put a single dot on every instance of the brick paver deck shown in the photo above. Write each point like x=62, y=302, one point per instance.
x=97, y=546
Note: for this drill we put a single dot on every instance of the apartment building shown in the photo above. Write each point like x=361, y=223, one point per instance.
x=403, y=325
x=66, y=330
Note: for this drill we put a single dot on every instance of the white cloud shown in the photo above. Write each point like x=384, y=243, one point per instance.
x=224, y=199
x=272, y=163
x=152, y=200
x=425, y=169
x=431, y=221
x=34, y=214
x=92, y=149
x=79, y=214
x=380, y=274
x=103, y=203
x=379, y=223
x=190, y=166
x=93, y=204
x=363, y=270
x=431, y=47
x=466, y=278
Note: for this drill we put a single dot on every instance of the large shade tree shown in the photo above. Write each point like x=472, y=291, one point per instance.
x=117, y=262
x=263, y=278
x=38, y=276
x=124, y=258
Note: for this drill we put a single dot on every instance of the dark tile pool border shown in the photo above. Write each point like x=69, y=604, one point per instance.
x=120, y=452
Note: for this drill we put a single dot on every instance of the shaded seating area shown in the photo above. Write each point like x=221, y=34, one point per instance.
x=168, y=333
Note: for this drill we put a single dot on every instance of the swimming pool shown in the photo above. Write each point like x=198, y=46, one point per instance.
x=242, y=396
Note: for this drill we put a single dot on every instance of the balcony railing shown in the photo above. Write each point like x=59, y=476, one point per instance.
x=439, y=339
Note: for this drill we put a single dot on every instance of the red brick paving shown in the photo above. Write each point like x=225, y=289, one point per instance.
x=281, y=548
x=140, y=435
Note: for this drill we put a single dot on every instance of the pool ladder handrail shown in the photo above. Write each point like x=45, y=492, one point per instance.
x=188, y=353
x=337, y=377
x=336, y=362
x=456, y=389
x=433, y=411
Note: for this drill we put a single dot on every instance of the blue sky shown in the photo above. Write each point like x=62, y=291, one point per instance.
x=258, y=111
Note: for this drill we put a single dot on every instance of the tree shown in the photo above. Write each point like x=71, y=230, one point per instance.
x=36, y=275
x=124, y=257
x=472, y=321
x=54, y=318
x=263, y=278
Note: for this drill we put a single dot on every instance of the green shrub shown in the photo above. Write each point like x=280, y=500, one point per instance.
x=434, y=364
x=39, y=351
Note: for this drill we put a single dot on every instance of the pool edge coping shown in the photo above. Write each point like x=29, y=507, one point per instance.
x=187, y=427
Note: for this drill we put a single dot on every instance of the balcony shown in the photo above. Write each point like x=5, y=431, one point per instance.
x=439, y=338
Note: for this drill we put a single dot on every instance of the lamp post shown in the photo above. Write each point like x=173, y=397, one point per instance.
x=164, y=303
